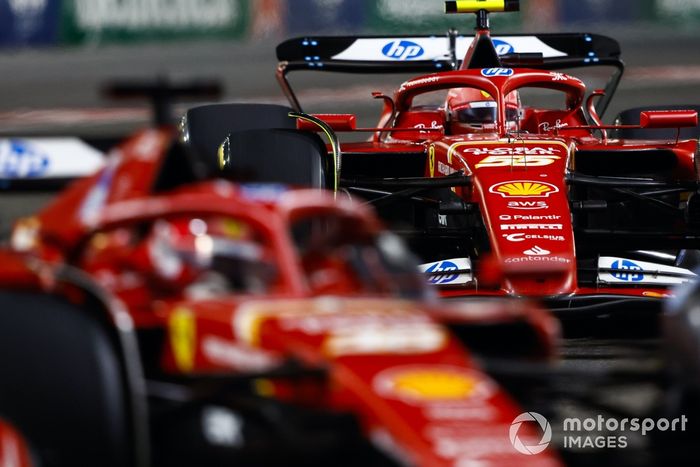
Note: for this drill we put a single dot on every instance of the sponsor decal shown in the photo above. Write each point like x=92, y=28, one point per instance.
x=445, y=169
x=425, y=384
x=47, y=158
x=521, y=237
x=512, y=151
x=520, y=217
x=627, y=271
x=516, y=161
x=491, y=72
x=409, y=338
x=335, y=321
x=559, y=76
x=503, y=47
x=326, y=315
x=20, y=159
x=266, y=192
x=235, y=355
x=450, y=267
x=546, y=126
x=419, y=82
x=531, y=226
x=433, y=125
x=27, y=7
x=402, y=50
x=528, y=205
x=622, y=270
x=536, y=251
x=182, y=332
x=97, y=15
x=29, y=16
x=537, y=259
x=442, y=266
x=460, y=412
x=435, y=48
x=524, y=189
x=508, y=148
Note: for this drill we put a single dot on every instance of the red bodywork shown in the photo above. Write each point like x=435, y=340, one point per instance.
x=417, y=391
x=518, y=176
x=14, y=451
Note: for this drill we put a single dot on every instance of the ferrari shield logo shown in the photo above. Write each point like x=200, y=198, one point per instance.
x=183, y=338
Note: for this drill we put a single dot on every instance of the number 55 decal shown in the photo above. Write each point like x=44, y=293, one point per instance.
x=516, y=161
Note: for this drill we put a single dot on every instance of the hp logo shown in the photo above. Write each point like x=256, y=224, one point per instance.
x=402, y=50
x=442, y=266
x=627, y=271
x=491, y=72
x=502, y=47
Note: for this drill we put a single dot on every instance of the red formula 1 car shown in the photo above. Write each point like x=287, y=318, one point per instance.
x=153, y=316
x=500, y=160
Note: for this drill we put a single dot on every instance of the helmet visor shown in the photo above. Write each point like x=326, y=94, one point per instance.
x=477, y=113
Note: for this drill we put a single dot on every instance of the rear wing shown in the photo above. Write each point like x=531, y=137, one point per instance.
x=433, y=53
x=45, y=163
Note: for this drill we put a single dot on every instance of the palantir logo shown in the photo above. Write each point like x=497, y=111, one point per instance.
x=402, y=50
x=440, y=267
x=517, y=442
x=627, y=271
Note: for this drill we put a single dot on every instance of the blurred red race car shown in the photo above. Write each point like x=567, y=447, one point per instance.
x=152, y=316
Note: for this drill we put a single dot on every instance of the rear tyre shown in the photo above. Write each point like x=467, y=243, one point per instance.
x=62, y=383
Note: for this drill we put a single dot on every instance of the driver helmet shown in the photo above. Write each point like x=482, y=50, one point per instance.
x=471, y=109
x=196, y=252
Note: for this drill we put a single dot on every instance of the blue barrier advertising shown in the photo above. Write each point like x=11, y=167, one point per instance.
x=29, y=22
x=324, y=16
x=587, y=11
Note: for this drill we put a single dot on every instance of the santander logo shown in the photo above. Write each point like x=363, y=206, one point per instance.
x=536, y=251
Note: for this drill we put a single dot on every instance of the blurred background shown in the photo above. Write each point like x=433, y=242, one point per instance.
x=59, y=53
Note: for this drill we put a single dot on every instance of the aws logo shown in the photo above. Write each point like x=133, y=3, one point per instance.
x=402, y=50
x=524, y=189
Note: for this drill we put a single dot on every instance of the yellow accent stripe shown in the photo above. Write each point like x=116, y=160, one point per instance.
x=431, y=160
x=336, y=175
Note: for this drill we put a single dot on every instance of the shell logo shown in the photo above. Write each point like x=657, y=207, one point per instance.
x=524, y=189
x=421, y=384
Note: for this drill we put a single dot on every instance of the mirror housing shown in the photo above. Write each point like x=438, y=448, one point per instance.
x=338, y=122
x=668, y=119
